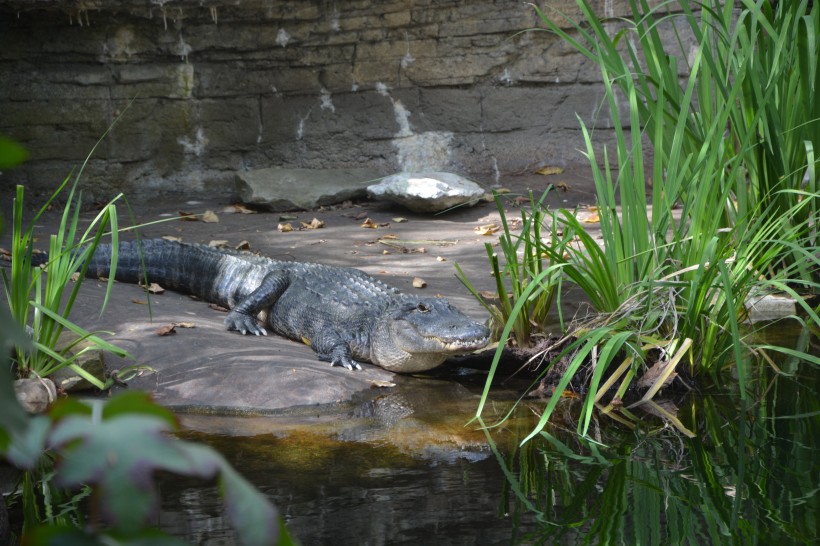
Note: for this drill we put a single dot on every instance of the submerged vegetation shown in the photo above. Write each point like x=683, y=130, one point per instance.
x=726, y=132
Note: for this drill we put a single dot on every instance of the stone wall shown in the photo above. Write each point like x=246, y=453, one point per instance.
x=206, y=88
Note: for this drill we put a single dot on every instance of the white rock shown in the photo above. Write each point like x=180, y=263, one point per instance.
x=427, y=191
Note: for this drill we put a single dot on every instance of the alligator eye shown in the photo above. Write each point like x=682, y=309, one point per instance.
x=422, y=308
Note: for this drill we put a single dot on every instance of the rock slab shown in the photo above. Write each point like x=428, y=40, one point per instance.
x=427, y=191
x=280, y=189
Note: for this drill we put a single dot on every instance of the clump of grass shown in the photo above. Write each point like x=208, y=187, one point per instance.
x=526, y=289
x=746, y=208
x=42, y=303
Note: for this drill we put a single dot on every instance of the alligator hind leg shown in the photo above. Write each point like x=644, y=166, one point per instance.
x=243, y=316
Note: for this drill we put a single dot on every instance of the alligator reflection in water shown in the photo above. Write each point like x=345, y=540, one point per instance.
x=405, y=469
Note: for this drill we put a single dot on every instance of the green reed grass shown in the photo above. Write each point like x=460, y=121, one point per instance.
x=522, y=278
x=734, y=206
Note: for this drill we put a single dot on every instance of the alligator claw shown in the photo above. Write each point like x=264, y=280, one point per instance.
x=348, y=363
x=244, y=324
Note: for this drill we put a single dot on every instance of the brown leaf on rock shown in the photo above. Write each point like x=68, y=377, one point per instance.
x=210, y=217
x=218, y=243
x=418, y=282
x=172, y=238
x=313, y=224
x=284, y=227
x=184, y=324
x=486, y=229
x=549, y=169
x=238, y=208
x=369, y=224
x=243, y=245
x=166, y=330
x=219, y=308
x=154, y=288
x=139, y=302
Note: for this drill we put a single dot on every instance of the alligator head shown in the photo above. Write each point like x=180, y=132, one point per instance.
x=417, y=334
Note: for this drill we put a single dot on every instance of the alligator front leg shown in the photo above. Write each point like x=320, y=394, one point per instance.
x=243, y=316
x=330, y=347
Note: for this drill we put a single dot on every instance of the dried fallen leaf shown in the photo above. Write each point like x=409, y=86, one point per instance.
x=139, y=302
x=188, y=216
x=562, y=186
x=548, y=170
x=75, y=276
x=154, y=288
x=369, y=224
x=172, y=238
x=418, y=282
x=486, y=229
x=314, y=224
x=218, y=243
x=243, y=245
x=592, y=218
x=184, y=324
x=399, y=220
x=238, y=208
x=284, y=228
x=441, y=259
x=390, y=236
x=385, y=252
x=219, y=308
x=166, y=330
x=210, y=217
x=654, y=373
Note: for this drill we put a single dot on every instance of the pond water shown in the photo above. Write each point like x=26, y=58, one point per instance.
x=408, y=469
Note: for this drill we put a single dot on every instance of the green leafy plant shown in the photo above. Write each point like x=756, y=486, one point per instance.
x=113, y=449
x=47, y=299
x=673, y=278
x=523, y=268
x=106, y=452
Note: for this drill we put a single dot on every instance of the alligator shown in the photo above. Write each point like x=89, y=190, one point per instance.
x=343, y=314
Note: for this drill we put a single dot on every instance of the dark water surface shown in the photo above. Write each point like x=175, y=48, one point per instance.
x=407, y=470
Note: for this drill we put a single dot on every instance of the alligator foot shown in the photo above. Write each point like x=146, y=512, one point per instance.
x=348, y=363
x=341, y=360
x=244, y=323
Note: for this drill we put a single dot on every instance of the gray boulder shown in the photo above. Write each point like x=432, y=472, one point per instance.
x=427, y=191
x=280, y=189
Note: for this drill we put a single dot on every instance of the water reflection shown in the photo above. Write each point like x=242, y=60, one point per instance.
x=739, y=481
x=425, y=478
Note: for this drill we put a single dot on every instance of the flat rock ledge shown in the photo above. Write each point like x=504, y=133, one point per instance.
x=279, y=189
x=426, y=192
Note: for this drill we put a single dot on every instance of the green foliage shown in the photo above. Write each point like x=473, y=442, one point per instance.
x=734, y=207
x=49, y=298
x=746, y=478
x=108, y=451
x=111, y=450
x=529, y=281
